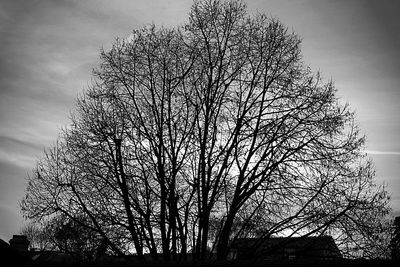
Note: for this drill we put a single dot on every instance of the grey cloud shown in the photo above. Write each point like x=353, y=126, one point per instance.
x=13, y=142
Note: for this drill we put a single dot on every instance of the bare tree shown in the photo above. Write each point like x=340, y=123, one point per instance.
x=77, y=240
x=39, y=236
x=190, y=138
x=65, y=235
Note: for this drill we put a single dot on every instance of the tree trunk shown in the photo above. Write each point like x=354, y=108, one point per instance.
x=222, y=247
x=127, y=204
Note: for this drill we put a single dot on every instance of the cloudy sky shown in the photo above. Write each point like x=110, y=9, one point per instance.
x=48, y=49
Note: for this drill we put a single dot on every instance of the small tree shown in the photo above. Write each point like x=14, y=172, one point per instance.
x=65, y=235
x=72, y=237
x=40, y=236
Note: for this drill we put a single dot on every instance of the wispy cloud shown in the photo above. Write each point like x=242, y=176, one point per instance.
x=18, y=153
x=378, y=152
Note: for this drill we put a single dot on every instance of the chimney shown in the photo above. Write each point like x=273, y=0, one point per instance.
x=20, y=243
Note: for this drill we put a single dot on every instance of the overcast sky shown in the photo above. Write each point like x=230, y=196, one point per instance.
x=48, y=49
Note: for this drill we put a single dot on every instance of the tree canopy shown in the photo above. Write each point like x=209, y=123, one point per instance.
x=192, y=137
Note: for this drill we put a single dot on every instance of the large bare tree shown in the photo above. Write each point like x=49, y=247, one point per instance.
x=190, y=138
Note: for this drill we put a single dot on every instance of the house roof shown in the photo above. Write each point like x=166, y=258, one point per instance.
x=309, y=244
x=51, y=258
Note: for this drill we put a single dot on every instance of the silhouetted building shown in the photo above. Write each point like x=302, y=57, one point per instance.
x=20, y=243
x=12, y=255
x=280, y=248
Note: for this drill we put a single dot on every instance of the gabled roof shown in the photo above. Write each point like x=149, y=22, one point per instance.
x=300, y=244
x=52, y=258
